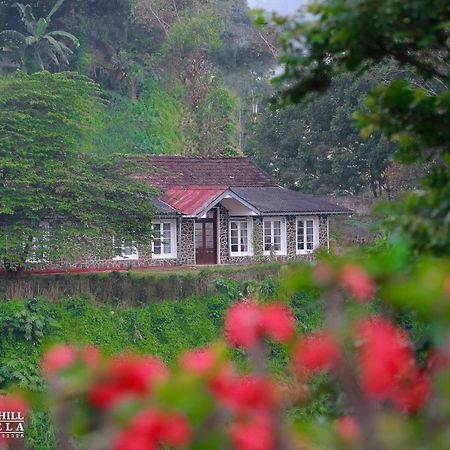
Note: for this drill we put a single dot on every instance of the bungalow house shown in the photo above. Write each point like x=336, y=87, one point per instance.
x=228, y=211
x=220, y=211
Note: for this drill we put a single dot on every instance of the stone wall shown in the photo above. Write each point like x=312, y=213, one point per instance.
x=185, y=230
x=323, y=231
x=186, y=242
x=257, y=241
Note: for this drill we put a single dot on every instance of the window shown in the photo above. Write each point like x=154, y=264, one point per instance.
x=39, y=246
x=240, y=237
x=307, y=235
x=274, y=236
x=124, y=250
x=164, y=239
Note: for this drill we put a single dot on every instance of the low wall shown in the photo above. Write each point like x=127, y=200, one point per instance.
x=132, y=287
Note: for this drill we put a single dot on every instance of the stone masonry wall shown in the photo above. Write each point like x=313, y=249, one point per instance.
x=186, y=248
x=186, y=243
x=323, y=231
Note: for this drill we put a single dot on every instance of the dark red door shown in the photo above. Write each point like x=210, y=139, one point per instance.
x=206, y=239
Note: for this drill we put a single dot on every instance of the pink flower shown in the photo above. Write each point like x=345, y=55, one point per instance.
x=385, y=355
x=277, y=322
x=254, y=433
x=150, y=428
x=90, y=355
x=199, y=361
x=347, y=428
x=357, y=281
x=126, y=375
x=412, y=392
x=249, y=393
x=247, y=323
x=58, y=358
x=243, y=324
x=316, y=352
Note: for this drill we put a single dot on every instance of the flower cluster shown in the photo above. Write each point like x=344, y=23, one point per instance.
x=151, y=406
x=388, y=370
x=247, y=323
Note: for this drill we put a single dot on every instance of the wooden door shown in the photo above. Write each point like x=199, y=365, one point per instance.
x=206, y=239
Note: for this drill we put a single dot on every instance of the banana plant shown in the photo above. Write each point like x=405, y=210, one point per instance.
x=39, y=49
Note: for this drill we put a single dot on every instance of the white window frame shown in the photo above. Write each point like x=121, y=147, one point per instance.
x=239, y=221
x=40, y=242
x=173, y=240
x=315, y=221
x=283, y=245
x=123, y=256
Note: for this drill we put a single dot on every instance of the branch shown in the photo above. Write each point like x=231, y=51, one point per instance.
x=164, y=25
x=275, y=52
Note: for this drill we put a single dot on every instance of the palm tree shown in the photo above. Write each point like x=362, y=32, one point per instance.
x=39, y=49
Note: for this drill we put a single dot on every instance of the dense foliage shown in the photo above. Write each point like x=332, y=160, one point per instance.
x=380, y=377
x=177, y=60
x=165, y=329
x=351, y=38
x=317, y=148
x=52, y=187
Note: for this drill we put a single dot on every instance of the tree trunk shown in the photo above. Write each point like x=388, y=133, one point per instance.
x=133, y=86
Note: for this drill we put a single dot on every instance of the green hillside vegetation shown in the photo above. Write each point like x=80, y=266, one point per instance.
x=166, y=329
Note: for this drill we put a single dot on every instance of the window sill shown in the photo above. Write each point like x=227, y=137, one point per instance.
x=280, y=253
x=170, y=256
x=236, y=254
x=126, y=258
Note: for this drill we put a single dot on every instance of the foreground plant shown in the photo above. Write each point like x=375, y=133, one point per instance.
x=386, y=393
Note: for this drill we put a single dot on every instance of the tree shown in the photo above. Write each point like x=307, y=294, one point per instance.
x=317, y=148
x=348, y=37
x=153, y=124
x=48, y=173
x=40, y=49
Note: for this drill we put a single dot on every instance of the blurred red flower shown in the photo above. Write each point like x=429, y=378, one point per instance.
x=246, y=323
x=277, y=322
x=253, y=433
x=149, y=428
x=243, y=324
x=57, y=358
x=357, y=281
x=316, y=352
x=385, y=354
x=387, y=366
x=252, y=392
x=200, y=361
x=412, y=391
x=347, y=427
x=126, y=375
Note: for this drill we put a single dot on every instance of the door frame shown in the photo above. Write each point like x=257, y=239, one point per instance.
x=216, y=237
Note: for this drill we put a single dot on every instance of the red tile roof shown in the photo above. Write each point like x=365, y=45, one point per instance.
x=186, y=171
x=193, y=199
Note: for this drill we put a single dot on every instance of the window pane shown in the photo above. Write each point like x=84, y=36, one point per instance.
x=157, y=247
x=127, y=249
x=234, y=248
x=310, y=235
x=166, y=247
x=277, y=243
x=300, y=235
